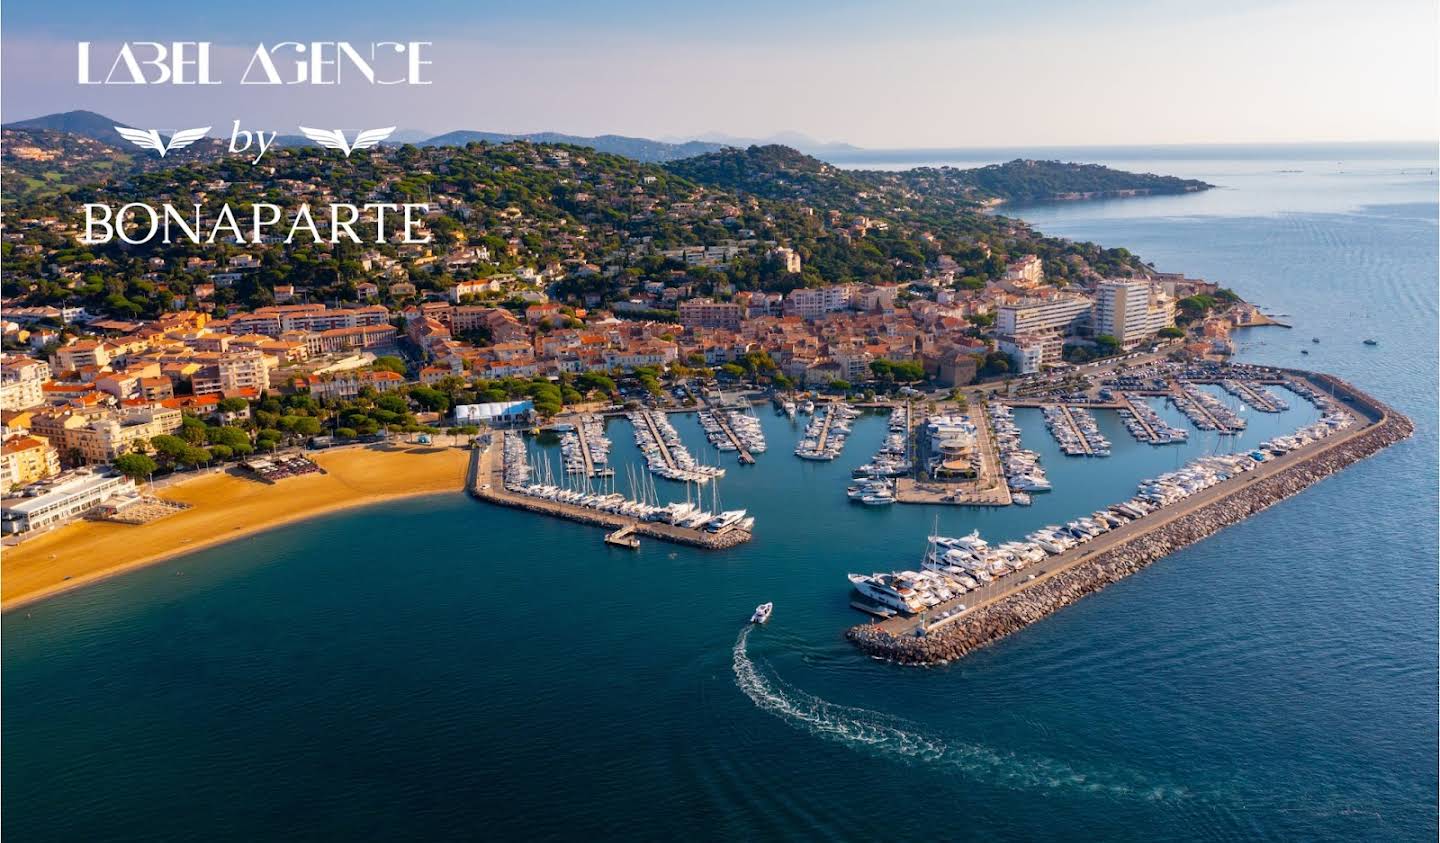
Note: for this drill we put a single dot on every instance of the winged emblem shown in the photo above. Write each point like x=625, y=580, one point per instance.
x=335, y=139
x=150, y=138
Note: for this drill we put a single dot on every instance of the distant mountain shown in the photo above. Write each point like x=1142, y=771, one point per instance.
x=779, y=172
x=85, y=123
x=639, y=149
x=792, y=139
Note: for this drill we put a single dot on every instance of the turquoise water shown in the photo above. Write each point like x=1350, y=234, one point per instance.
x=442, y=668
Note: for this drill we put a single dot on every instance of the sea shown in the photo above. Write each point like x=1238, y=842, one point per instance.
x=442, y=669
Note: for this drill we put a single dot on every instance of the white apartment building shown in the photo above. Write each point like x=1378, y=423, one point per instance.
x=815, y=302
x=1064, y=313
x=1029, y=352
x=1131, y=311
x=234, y=371
x=22, y=382
x=107, y=437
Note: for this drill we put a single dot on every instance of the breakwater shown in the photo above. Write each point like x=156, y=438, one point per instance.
x=1237, y=499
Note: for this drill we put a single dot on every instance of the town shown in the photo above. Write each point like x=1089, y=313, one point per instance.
x=123, y=363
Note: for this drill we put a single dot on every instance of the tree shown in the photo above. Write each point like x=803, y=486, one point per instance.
x=193, y=430
x=1107, y=345
x=219, y=453
x=840, y=385
x=232, y=405
x=1171, y=332
x=431, y=399
x=135, y=466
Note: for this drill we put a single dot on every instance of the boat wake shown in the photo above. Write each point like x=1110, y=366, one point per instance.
x=884, y=734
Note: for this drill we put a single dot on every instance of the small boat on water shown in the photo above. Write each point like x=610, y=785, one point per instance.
x=1304, y=351
x=1372, y=342
x=762, y=613
x=1315, y=339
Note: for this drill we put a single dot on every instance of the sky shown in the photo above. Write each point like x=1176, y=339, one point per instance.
x=880, y=75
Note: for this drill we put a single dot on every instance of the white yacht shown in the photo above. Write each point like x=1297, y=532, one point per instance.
x=762, y=613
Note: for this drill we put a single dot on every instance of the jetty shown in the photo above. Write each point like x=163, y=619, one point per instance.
x=723, y=419
x=1080, y=439
x=665, y=455
x=1007, y=607
x=1140, y=419
x=987, y=489
x=486, y=482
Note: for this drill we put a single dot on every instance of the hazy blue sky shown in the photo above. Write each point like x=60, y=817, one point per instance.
x=897, y=74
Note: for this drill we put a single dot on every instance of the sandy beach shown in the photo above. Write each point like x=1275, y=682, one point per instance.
x=225, y=507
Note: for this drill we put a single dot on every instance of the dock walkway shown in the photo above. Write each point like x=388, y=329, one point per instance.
x=722, y=418
x=1145, y=425
x=1075, y=429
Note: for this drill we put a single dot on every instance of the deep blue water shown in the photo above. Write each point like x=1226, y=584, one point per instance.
x=439, y=668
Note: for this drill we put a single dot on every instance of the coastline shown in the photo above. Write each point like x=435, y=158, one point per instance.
x=84, y=553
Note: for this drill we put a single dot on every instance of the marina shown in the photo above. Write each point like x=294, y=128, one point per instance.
x=939, y=615
x=734, y=431
x=826, y=432
x=1256, y=396
x=1076, y=431
x=1204, y=410
x=585, y=448
x=1145, y=424
x=665, y=454
x=501, y=473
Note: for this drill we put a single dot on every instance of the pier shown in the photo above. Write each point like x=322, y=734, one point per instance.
x=825, y=428
x=486, y=482
x=1002, y=608
x=723, y=419
x=1139, y=419
x=1080, y=439
x=659, y=440
x=1181, y=399
x=987, y=489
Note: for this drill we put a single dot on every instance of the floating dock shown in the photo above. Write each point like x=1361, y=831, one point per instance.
x=722, y=418
x=623, y=537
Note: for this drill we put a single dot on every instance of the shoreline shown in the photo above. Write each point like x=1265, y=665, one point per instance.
x=1094, y=570
x=232, y=499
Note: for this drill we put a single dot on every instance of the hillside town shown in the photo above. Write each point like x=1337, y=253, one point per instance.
x=554, y=278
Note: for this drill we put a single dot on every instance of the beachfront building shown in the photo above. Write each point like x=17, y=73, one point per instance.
x=1132, y=311
x=496, y=413
x=25, y=459
x=63, y=499
x=108, y=436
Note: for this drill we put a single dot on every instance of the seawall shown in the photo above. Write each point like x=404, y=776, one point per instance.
x=991, y=622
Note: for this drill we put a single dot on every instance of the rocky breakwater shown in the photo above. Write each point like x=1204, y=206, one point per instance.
x=991, y=622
